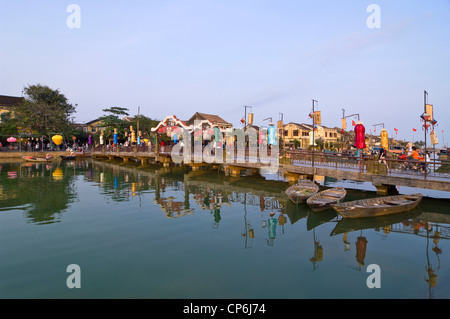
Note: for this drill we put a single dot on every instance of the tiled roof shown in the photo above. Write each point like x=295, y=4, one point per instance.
x=210, y=117
x=10, y=100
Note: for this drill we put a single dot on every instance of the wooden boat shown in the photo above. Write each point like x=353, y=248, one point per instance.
x=36, y=159
x=378, y=206
x=322, y=201
x=301, y=191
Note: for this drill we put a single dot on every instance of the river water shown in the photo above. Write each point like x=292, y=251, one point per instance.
x=156, y=233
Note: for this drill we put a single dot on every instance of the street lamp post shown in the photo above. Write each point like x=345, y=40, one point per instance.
x=313, y=139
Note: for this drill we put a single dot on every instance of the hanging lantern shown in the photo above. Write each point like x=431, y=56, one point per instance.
x=311, y=142
x=360, y=132
x=57, y=139
x=426, y=117
x=217, y=133
x=272, y=134
x=250, y=118
x=433, y=138
x=115, y=136
x=11, y=139
x=384, y=138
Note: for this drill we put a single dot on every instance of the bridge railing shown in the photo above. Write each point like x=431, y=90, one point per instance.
x=371, y=164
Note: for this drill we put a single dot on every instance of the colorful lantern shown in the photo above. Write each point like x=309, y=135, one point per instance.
x=217, y=133
x=57, y=139
x=272, y=134
x=115, y=136
x=11, y=139
x=360, y=132
x=426, y=117
x=384, y=138
x=250, y=118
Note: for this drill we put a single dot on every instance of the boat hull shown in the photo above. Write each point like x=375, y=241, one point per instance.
x=380, y=206
x=323, y=200
x=301, y=191
x=36, y=159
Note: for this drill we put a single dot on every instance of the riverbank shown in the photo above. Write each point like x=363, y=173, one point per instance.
x=38, y=154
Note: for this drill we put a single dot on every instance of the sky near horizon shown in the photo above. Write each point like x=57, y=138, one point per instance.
x=217, y=56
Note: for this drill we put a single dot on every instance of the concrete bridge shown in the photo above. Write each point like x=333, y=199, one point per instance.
x=303, y=165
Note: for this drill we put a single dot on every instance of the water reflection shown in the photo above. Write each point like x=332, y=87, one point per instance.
x=43, y=192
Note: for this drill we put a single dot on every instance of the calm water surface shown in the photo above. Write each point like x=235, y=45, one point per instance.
x=170, y=233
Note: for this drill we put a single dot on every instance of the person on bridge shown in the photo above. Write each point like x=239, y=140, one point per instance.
x=382, y=156
x=414, y=157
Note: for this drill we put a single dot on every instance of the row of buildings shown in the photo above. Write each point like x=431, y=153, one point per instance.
x=293, y=135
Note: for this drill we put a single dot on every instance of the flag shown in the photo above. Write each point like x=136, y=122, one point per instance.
x=353, y=123
x=243, y=121
x=395, y=129
x=414, y=130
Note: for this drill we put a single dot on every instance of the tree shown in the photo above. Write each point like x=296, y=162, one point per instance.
x=113, y=121
x=44, y=111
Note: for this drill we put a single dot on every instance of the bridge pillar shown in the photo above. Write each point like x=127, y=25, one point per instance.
x=233, y=171
x=143, y=160
x=383, y=189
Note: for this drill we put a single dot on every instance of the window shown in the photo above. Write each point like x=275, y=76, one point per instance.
x=295, y=133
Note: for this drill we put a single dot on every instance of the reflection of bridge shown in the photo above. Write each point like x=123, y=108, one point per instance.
x=221, y=189
x=301, y=165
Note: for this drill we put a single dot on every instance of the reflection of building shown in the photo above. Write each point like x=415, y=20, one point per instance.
x=7, y=104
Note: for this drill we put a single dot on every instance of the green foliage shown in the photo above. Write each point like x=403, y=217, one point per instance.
x=44, y=111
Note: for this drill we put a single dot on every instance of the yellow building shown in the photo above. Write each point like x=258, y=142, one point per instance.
x=93, y=126
x=303, y=133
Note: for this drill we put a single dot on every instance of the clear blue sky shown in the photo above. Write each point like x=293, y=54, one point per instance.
x=215, y=56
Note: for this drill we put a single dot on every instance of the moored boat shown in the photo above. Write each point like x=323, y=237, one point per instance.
x=36, y=159
x=378, y=206
x=301, y=191
x=322, y=200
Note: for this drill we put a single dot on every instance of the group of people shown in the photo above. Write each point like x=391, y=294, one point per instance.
x=414, y=159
